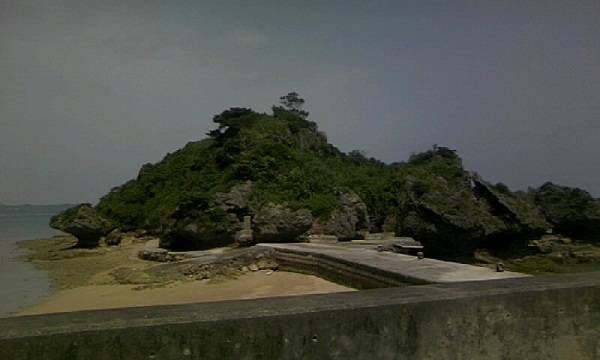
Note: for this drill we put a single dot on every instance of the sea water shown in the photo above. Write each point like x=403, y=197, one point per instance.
x=21, y=284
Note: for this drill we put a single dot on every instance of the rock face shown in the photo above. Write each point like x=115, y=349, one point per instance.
x=277, y=223
x=457, y=215
x=237, y=200
x=351, y=220
x=571, y=211
x=83, y=222
x=201, y=223
x=196, y=235
x=519, y=214
x=192, y=230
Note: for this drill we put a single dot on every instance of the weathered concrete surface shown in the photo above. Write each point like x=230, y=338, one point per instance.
x=407, y=268
x=356, y=264
x=525, y=318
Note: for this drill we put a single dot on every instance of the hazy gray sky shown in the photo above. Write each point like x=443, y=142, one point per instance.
x=92, y=90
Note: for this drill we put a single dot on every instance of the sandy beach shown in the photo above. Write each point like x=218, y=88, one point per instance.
x=84, y=279
x=251, y=285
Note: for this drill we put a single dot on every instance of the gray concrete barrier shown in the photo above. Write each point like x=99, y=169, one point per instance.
x=554, y=317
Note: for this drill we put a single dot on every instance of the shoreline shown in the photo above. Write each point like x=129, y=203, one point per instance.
x=22, y=284
x=113, y=277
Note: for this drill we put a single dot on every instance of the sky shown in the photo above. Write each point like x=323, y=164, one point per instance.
x=92, y=90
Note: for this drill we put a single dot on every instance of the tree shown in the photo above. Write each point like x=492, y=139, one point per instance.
x=225, y=118
x=293, y=102
x=358, y=156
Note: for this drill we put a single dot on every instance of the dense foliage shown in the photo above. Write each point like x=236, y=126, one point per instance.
x=285, y=157
x=572, y=211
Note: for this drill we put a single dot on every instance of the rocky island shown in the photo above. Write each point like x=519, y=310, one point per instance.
x=280, y=171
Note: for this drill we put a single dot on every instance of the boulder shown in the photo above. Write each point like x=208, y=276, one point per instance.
x=455, y=216
x=113, y=238
x=83, y=222
x=196, y=233
x=518, y=213
x=444, y=233
x=351, y=220
x=277, y=223
x=203, y=222
x=441, y=212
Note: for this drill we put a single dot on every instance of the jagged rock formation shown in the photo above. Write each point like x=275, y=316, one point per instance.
x=200, y=223
x=457, y=213
x=349, y=221
x=277, y=223
x=83, y=222
x=440, y=211
x=236, y=200
x=519, y=214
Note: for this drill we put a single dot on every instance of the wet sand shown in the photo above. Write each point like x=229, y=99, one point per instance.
x=20, y=285
x=85, y=279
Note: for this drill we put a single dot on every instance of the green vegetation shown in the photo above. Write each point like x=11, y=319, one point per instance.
x=561, y=203
x=572, y=211
x=543, y=264
x=69, y=214
x=287, y=159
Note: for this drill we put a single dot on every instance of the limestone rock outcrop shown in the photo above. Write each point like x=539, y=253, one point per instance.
x=195, y=234
x=198, y=224
x=201, y=223
x=519, y=214
x=350, y=220
x=457, y=218
x=277, y=223
x=237, y=200
x=83, y=222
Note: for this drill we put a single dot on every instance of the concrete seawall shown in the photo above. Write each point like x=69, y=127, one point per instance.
x=555, y=317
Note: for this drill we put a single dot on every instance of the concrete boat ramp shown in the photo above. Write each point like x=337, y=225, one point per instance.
x=359, y=264
x=388, y=268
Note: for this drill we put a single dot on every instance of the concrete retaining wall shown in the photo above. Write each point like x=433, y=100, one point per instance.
x=342, y=272
x=530, y=318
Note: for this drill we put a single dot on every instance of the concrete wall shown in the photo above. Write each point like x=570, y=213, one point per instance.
x=531, y=318
x=339, y=271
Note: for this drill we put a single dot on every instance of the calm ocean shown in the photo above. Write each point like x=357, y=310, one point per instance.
x=21, y=284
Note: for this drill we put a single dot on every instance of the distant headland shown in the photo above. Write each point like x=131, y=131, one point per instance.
x=31, y=209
